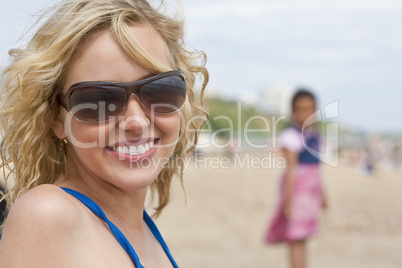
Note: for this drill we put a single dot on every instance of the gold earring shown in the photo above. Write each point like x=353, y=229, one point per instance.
x=62, y=148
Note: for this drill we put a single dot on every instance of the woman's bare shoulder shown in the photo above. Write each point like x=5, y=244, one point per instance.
x=45, y=205
x=39, y=227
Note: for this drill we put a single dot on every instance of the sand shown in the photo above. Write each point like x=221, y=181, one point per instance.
x=227, y=212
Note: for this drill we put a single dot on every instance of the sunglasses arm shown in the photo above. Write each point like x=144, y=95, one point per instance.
x=62, y=100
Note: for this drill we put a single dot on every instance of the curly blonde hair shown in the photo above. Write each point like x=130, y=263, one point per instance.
x=30, y=151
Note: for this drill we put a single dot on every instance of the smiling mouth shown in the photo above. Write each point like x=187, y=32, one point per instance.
x=134, y=150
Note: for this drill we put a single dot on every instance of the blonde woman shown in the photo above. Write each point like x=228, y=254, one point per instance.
x=96, y=109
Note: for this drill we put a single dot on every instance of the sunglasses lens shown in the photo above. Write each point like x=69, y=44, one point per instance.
x=97, y=103
x=165, y=95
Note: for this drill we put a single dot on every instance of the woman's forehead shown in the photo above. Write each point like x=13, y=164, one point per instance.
x=101, y=57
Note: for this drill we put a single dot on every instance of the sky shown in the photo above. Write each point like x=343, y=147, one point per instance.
x=346, y=51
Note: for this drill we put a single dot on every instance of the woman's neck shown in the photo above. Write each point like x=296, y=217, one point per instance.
x=118, y=204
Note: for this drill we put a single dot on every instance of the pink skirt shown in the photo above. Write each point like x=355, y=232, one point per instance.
x=306, y=206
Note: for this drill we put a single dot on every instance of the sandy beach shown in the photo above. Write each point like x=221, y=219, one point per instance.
x=225, y=216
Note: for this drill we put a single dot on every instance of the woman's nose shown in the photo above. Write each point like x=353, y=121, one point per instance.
x=134, y=117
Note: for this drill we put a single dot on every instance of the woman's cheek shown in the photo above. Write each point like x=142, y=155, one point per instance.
x=87, y=136
x=169, y=127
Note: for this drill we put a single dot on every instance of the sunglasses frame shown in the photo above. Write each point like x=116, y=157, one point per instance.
x=129, y=87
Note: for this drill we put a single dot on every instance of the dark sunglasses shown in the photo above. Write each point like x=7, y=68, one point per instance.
x=97, y=101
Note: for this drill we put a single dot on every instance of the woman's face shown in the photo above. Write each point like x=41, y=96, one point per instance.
x=103, y=151
x=303, y=108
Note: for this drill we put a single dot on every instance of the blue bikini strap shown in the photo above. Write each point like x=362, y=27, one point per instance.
x=117, y=233
x=151, y=225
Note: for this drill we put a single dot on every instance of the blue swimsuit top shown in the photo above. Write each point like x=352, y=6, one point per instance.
x=311, y=141
x=117, y=233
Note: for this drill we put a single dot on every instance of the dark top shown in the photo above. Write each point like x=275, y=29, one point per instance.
x=311, y=150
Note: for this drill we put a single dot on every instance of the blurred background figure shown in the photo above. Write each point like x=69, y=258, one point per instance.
x=301, y=193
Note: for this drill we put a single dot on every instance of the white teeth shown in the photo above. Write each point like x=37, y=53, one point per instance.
x=133, y=150
x=141, y=149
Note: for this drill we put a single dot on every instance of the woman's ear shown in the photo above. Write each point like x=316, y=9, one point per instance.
x=57, y=126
